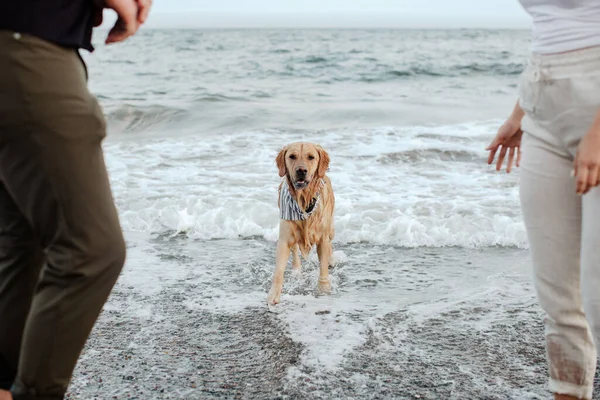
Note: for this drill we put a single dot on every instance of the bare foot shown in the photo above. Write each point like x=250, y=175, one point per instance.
x=324, y=286
x=4, y=395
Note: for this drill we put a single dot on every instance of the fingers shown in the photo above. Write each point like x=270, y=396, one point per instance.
x=493, y=151
x=127, y=23
x=121, y=31
x=495, y=143
x=582, y=180
x=588, y=177
x=501, y=158
x=511, y=160
x=143, y=10
x=513, y=143
x=593, y=178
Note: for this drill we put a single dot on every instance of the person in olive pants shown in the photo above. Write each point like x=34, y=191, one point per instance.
x=61, y=245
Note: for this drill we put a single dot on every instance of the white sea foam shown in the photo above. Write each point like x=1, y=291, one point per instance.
x=411, y=187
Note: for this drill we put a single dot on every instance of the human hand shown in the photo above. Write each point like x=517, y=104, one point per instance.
x=131, y=15
x=142, y=15
x=4, y=395
x=143, y=10
x=509, y=138
x=587, y=162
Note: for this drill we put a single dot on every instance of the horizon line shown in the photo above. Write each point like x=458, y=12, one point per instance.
x=324, y=20
x=366, y=27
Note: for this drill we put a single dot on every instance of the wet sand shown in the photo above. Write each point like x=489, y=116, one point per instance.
x=187, y=321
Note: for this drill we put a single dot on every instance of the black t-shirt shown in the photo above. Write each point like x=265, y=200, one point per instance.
x=68, y=23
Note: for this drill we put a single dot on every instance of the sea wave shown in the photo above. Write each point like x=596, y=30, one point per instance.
x=132, y=118
x=418, y=227
x=422, y=155
x=407, y=186
x=452, y=71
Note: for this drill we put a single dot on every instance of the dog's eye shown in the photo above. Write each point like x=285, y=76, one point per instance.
x=292, y=157
x=311, y=157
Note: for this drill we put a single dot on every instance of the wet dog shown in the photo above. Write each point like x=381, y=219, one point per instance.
x=306, y=204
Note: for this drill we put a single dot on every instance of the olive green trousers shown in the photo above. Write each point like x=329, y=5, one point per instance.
x=61, y=245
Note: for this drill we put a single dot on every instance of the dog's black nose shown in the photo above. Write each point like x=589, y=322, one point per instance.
x=301, y=172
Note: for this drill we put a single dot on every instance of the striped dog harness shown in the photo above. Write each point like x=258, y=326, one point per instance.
x=290, y=210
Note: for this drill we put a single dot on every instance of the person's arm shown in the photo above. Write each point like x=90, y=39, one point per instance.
x=517, y=114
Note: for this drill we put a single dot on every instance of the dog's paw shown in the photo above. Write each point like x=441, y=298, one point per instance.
x=274, y=296
x=324, y=286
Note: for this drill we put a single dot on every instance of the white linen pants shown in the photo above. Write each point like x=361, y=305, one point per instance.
x=560, y=95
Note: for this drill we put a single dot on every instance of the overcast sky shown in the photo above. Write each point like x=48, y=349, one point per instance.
x=338, y=13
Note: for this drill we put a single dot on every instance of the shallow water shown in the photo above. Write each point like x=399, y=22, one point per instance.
x=188, y=320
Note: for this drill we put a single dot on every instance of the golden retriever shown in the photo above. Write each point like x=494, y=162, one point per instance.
x=306, y=204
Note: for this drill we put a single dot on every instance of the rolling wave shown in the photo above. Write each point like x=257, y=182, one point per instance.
x=132, y=118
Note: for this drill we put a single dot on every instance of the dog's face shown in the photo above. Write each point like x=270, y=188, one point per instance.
x=303, y=163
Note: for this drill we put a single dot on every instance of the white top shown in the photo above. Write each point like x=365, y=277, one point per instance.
x=563, y=25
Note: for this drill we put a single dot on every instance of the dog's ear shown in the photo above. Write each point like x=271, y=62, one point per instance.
x=280, y=160
x=323, y=162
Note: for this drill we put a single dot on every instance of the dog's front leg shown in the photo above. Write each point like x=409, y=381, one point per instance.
x=281, y=259
x=296, y=263
x=324, y=253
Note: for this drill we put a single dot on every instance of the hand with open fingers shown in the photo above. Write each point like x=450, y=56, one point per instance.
x=127, y=24
x=587, y=163
x=507, y=140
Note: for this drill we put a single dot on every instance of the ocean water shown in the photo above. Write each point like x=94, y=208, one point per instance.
x=432, y=292
x=197, y=117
